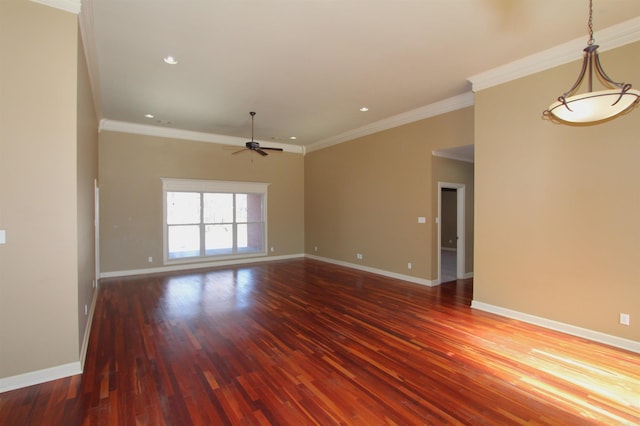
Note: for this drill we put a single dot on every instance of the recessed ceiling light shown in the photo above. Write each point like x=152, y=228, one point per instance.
x=170, y=60
x=293, y=138
x=149, y=116
x=364, y=109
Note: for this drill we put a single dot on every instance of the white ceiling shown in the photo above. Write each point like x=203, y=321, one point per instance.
x=307, y=66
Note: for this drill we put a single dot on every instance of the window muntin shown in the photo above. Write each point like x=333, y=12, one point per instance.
x=206, y=220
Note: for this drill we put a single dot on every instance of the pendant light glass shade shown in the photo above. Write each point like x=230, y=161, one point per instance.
x=593, y=107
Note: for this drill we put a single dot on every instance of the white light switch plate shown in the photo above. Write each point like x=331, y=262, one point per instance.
x=624, y=319
x=3, y=236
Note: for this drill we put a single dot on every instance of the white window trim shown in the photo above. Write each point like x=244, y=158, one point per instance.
x=198, y=185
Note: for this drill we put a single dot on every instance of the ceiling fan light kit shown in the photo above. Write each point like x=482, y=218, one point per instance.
x=255, y=146
x=592, y=107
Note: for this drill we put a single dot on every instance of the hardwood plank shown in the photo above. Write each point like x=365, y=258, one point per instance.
x=305, y=342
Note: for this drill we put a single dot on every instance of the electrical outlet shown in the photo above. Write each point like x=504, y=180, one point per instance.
x=359, y=256
x=150, y=259
x=315, y=248
x=625, y=319
x=86, y=310
x=271, y=250
x=409, y=265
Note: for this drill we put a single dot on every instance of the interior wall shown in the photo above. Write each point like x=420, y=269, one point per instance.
x=38, y=209
x=365, y=196
x=87, y=172
x=557, y=229
x=448, y=219
x=130, y=168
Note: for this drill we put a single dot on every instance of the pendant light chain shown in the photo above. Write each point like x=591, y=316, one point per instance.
x=591, y=40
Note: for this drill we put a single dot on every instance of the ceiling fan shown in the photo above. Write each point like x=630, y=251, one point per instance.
x=255, y=146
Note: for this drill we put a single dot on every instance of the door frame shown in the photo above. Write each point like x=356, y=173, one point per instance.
x=96, y=229
x=460, y=227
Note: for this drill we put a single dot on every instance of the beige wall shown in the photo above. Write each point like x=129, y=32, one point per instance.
x=38, y=209
x=557, y=207
x=365, y=196
x=131, y=193
x=87, y=172
x=448, y=219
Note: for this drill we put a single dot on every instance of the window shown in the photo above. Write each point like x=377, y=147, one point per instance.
x=213, y=219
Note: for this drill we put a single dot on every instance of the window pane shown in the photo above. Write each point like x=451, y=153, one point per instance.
x=243, y=236
x=183, y=208
x=218, y=208
x=241, y=207
x=218, y=239
x=250, y=237
x=254, y=208
x=183, y=241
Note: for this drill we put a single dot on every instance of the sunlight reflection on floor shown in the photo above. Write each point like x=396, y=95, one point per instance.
x=593, y=383
x=213, y=292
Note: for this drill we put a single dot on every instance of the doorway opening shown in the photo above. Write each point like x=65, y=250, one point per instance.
x=451, y=231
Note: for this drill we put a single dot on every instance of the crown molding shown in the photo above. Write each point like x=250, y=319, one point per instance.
x=166, y=132
x=609, y=38
x=72, y=6
x=447, y=105
x=451, y=156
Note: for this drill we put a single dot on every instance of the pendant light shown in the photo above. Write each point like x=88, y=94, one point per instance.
x=592, y=107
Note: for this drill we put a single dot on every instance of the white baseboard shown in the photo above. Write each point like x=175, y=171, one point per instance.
x=596, y=336
x=46, y=375
x=190, y=266
x=40, y=376
x=389, y=274
x=466, y=276
x=87, y=329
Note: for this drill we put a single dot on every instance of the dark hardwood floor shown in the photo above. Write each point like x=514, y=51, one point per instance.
x=303, y=342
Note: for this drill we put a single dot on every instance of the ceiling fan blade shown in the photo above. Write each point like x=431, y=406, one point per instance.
x=253, y=145
x=242, y=150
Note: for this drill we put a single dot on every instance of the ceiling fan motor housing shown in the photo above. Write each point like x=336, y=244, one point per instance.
x=252, y=145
